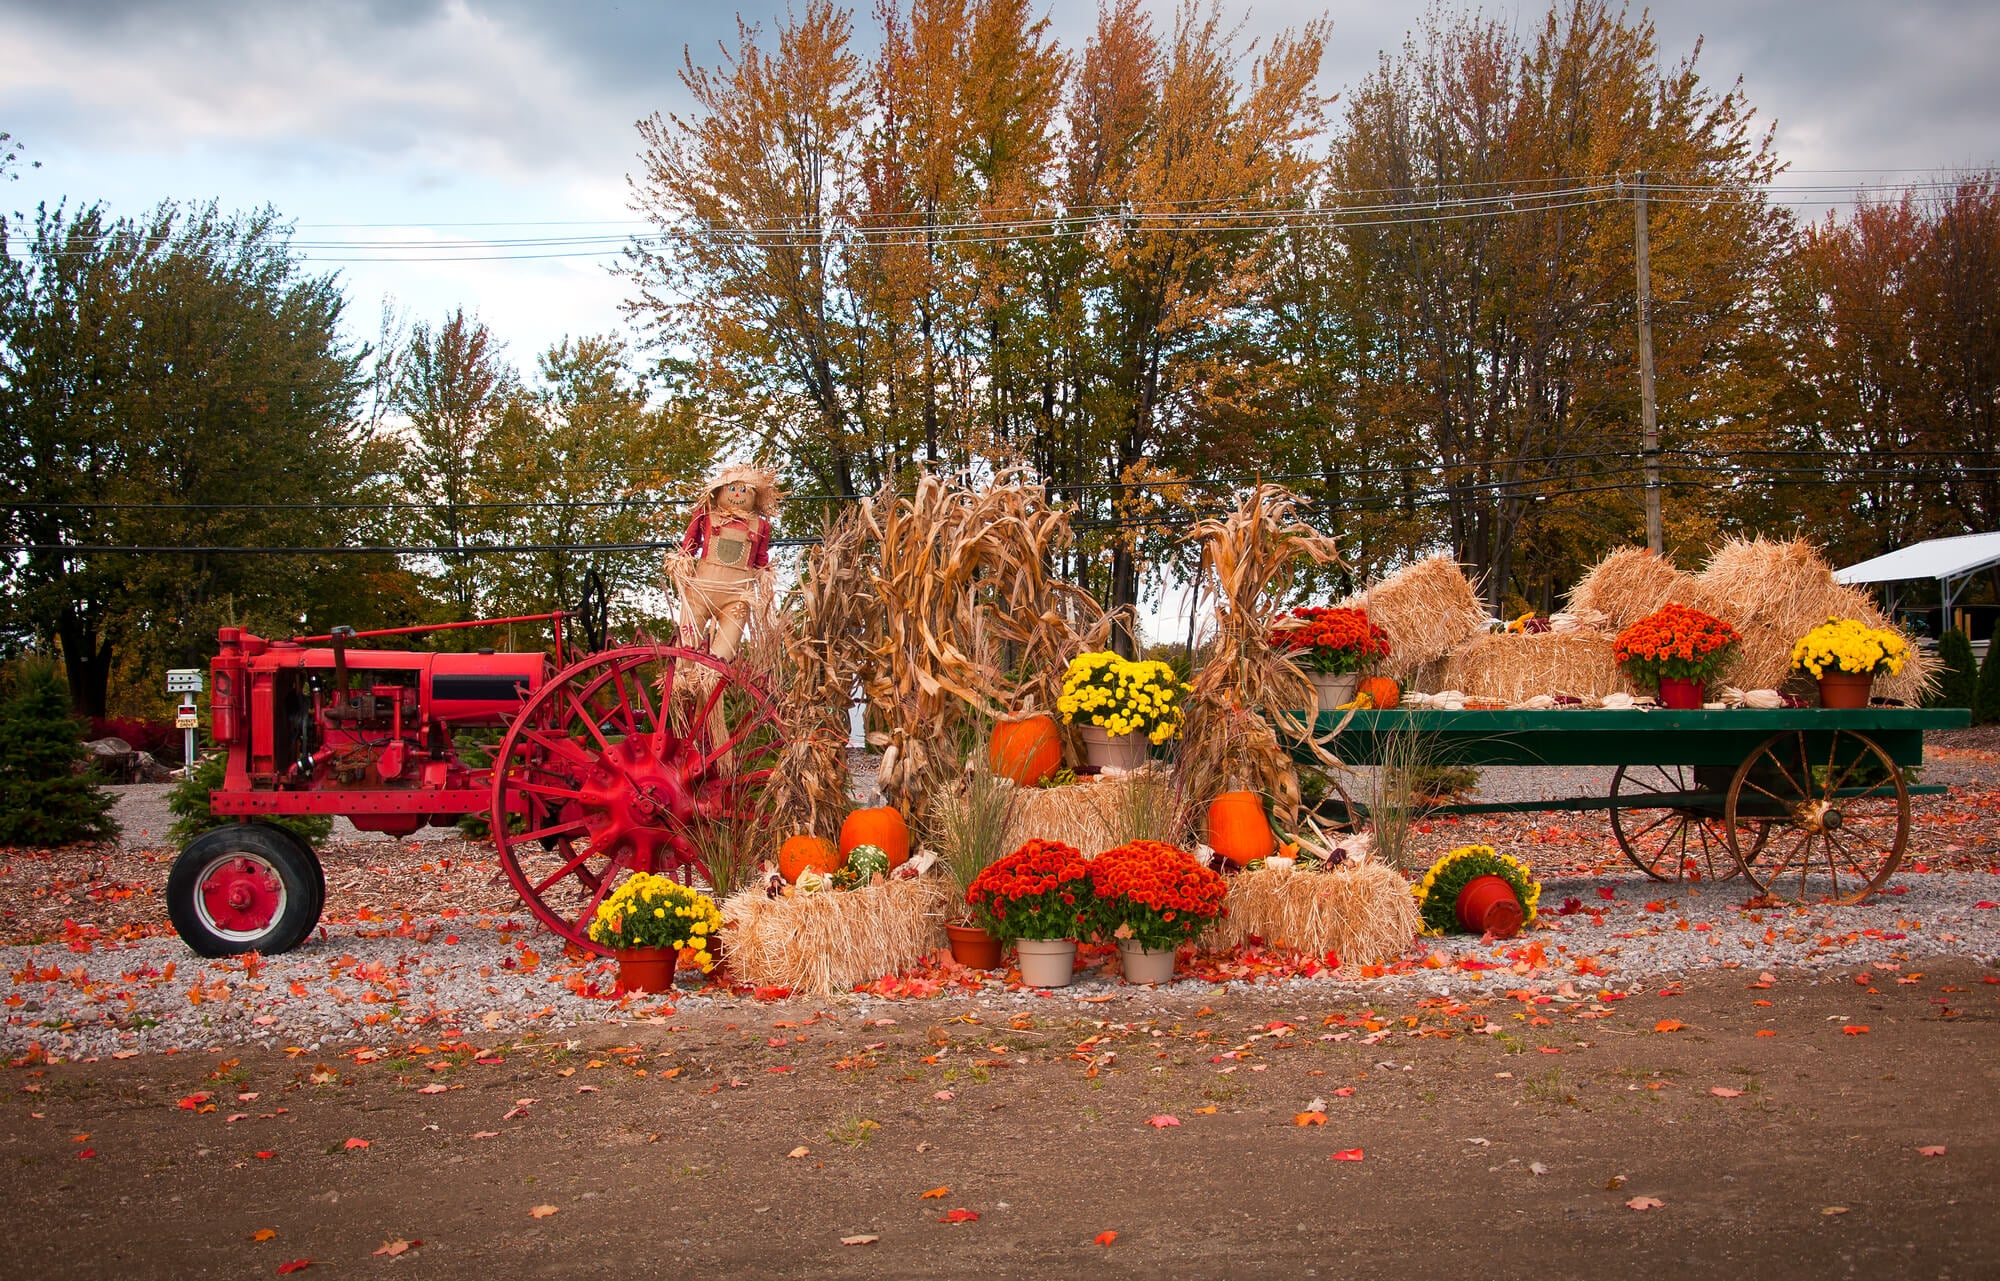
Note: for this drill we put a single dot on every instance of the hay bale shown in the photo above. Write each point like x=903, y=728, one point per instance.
x=1516, y=666
x=1627, y=585
x=1774, y=591
x=1364, y=915
x=1428, y=609
x=824, y=944
x=1093, y=814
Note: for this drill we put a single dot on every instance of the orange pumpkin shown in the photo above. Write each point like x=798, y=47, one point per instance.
x=1237, y=828
x=1381, y=691
x=803, y=852
x=881, y=826
x=1026, y=749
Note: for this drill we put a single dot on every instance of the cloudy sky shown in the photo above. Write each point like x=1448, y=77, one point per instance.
x=433, y=124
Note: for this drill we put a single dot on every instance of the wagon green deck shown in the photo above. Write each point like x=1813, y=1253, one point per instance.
x=1609, y=738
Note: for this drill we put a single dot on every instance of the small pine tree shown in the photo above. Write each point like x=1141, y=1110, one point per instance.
x=1958, y=683
x=44, y=800
x=1986, y=701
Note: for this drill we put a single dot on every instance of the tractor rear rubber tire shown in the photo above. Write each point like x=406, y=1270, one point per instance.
x=283, y=871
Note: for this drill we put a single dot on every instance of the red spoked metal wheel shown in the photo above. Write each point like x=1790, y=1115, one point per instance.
x=605, y=775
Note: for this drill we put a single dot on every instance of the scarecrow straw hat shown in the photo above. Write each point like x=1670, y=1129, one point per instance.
x=763, y=482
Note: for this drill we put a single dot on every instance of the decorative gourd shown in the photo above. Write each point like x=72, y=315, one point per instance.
x=864, y=861
x=1381, y=691
x=805, y=853
x=883, y=825
x=1027, y=749
x=1237, y=828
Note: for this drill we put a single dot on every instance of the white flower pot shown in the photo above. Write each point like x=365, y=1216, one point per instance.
x=1334, y=689
x=1046, y=962
x=1146, y=964
x=1118, y=751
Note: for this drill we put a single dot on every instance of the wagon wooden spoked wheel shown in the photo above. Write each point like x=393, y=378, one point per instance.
x=1839, y=812
x=603, y=775
x=1665, y=834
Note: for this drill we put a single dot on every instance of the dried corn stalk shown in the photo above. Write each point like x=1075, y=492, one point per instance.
x=1238, y=731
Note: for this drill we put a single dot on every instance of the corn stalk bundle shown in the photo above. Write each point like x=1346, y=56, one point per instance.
x=957, y=576
x=822, y=657
x=1363, y=914
x=824, y=944
x=1774, y=591
x=1229, y=740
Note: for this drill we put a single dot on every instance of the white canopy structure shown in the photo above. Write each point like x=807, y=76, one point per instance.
x=1951, y=561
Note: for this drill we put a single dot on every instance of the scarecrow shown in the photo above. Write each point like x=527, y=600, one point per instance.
x=725, y=558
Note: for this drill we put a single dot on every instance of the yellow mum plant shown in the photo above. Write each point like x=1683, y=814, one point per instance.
x=1437, y=893
x=655, y=911
x=1123, y=696
x=1852, y=646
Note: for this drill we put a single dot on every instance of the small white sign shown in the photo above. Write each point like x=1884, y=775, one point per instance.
x=187, y=720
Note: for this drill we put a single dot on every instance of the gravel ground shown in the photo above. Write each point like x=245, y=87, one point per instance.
x=379, y=985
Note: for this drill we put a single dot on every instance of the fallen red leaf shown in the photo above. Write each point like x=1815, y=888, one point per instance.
x=265, y=1155
x=1854, y=1029
x=352, y=1144
x=1162, y=1121
x=1106, y=1238
x=296, y=1265
x=1351, y=1154
x=1934, y=1150
x=1724, y=1092
x=193, y=1101
x=959, y=1216
x=86, y=1154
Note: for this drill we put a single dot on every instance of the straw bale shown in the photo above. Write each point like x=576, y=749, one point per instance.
x=1365, y=915
x=1517, y=666
x=1091, y=814
x=1774, y=591
x=824, y=944
x=1629, y=584
x=1428, y=609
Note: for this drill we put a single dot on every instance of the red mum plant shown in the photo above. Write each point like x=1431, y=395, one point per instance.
x=1040, y=891
x=1155, y=894
x=1330, y=639
x=1676, y=643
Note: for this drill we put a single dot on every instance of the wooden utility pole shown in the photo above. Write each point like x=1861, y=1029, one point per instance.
x=1648, y=416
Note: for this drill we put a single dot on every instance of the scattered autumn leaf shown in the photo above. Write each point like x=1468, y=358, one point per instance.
x=799, y=1151
x=1832, y=1210
x=396, y=1247
x=1855, y=1029
x=542, y=1212
x=936, y=1194
x=296, y=1265
x=860, y=1240
x=352, y=1144
x=1309, y=1118
x=1668, y=1025
x=1644, y=1203
x=1207, y=1111
x=1935, y=1150
x=1162, y=1121
x=1351, y=1154
x=1106, y=1238
x=1724, y=1092
x=264, y=1156
x=263, y=1234
x=959, y=1216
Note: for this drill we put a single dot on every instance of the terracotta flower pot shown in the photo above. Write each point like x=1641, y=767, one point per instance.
x=1682, y=695
x=647, y=969
x=1488, y=905
x=973, y=947
x=1047, y=962
x=1146, y=964
x=1335, y=688
x=1845, y=689
x=1118, y=751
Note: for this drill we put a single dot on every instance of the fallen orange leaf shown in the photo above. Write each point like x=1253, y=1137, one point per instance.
x=1724, y=1092
x=396, y=1247
x=1855, y=1029
x=1764, y=1031
x=1644, y=1203
x=352, y=1144
x=936, y=1194
x=1668, y=1025
x=1106, y=1238
x=542, y=1212
x=1207, y=1111
x=1351, y=1154
x=1935, y=1150
x=799, y=1151
x=1309, y=1118
x=263, y=1234
x=860, y=1240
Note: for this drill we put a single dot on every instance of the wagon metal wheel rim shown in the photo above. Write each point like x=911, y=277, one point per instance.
x=1681, y=842
x=1842, y=816
x=622, y=764
x=239, y=897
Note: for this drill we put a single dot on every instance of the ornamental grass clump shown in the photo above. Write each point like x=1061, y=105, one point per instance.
x=656, y=911
x=1123, y=696
x=1334, y=639
x=1040, y=891
x=1154, y=894
x=1437, y=894
x=1675, y=643
x=1852, y=646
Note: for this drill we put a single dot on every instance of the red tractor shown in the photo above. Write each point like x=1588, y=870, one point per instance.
x=618, y=762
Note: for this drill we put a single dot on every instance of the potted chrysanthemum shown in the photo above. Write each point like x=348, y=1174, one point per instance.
x=1479, y=890
x=1039, y=896
x=1676, y=650
x=1126, y=707
x=648, y=922
x=1845, y=655
x=1151, y=898
x=1334, y=644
